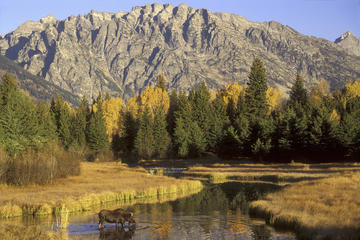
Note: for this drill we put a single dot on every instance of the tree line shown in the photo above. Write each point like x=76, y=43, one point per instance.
x=253, y=121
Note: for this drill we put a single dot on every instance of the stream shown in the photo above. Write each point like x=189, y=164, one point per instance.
x=219, y=211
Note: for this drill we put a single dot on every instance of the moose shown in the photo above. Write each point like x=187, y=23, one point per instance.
x=116, y=216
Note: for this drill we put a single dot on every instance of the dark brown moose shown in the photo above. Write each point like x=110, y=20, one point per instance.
x=116, y=216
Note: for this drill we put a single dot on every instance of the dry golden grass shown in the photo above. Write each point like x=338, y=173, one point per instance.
x=98, y=183
x=320, y=201
x=328, y=207
x=20, y=232
x=271, y=172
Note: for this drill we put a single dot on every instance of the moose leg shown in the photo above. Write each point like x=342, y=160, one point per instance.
x=101, y=223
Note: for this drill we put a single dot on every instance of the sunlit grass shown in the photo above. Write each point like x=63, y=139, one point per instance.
x=97, y=184
x=270, y=172
x=328, y=207
x=20, y=232
x=320, y=201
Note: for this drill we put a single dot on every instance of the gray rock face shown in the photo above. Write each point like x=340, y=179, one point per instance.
x=123, y=53
x=350, y=43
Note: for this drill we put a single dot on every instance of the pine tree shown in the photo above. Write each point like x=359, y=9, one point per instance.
x=170, y=118
x=145, y=140
x=298, y=93
x=97, y=137
x=7, y=86
x=161, y=135
x=189, y=138
x=127, y=140
x=63, y=119
x=255, y=97
x=202, y=111
x=219, y=121
x=80, y=121
x=22, y=124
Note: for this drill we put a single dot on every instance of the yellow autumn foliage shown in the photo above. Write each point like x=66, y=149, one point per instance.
x=274, y=98
x=352, y=89
x=334, y=116
x=114, y=120
x=153, y=98
x=133, y=107
x=232, y=91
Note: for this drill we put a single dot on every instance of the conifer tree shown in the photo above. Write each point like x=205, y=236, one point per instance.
x=189, y=138
x=80, y=121
x=255, y=97
x=145, y=139
x=63, y=119
x=161, y=135
x=130, y=130
x=170, y=118
x=219, y=121
x=298, y=93
x=97, y=137
x=20, y=126
x=202, y=111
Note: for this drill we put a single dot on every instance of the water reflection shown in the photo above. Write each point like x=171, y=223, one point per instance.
x=219, y=211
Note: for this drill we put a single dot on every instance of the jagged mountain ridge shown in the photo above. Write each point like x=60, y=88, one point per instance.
x=122, y=53
x=38, y=88
x=350, y=43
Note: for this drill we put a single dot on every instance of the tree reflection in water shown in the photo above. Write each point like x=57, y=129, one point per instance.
x=219, y=211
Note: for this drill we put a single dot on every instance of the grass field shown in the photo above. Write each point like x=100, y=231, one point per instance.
x=97, y=184
x=327, y=208
x=319, y=201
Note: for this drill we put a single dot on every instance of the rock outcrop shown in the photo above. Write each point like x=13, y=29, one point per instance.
x=350, y=43
x=122, y=53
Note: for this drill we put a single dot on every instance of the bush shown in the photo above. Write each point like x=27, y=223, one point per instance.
x=42, y=166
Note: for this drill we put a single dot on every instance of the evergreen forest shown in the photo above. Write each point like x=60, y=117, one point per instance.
x=42, y=141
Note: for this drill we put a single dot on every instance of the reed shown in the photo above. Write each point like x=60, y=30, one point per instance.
x=20, y=232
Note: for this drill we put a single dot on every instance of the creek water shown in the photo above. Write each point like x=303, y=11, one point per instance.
x=219, y=211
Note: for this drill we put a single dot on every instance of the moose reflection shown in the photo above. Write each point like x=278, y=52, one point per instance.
x=116, y=234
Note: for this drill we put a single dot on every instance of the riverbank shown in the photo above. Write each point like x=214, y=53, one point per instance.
x=319, y=201
x=286, y=173
x=97, y=184
x=320, y=209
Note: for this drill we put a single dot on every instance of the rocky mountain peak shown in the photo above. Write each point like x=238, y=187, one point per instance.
x=123, y=52
x=49, y=19
x=349, y=42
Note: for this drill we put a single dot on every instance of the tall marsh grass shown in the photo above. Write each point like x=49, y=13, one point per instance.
x=39, y=166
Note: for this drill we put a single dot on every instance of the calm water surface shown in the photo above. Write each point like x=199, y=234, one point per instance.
x=220, y=211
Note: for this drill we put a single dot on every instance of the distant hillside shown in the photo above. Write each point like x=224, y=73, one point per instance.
x=122, y=53
x=37, y=87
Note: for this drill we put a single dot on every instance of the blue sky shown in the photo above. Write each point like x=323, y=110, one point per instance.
x=321, y=18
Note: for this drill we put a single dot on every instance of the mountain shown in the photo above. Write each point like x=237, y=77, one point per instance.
x=122, y=53
x=350, y=43
x=38, y=88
